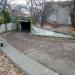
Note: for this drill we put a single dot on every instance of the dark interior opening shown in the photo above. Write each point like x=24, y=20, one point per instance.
x=25, y=26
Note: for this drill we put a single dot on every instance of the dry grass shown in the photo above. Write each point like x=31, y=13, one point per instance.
x=7, y=68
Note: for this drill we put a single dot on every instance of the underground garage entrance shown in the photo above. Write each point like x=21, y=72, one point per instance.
x=25, y=26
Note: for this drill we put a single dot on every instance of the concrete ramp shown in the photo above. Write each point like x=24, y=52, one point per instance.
x=43, y=32
x=28, y=65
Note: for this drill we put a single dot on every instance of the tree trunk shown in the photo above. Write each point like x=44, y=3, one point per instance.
x=6, y=27
x=42, y=19
x=72, y=14
x=73, y=20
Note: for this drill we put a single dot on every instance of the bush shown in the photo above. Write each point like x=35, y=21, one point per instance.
x=6, y=16
x=1, y=19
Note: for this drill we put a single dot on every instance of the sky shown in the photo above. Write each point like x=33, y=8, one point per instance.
x=18, y=1
x=24, y=1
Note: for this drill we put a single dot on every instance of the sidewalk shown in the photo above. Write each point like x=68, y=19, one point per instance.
x=28, y=65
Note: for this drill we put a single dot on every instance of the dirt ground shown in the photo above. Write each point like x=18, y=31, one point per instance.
x=7, y=68
x=55, y=53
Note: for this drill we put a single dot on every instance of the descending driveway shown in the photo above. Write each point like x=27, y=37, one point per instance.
x=55, y=53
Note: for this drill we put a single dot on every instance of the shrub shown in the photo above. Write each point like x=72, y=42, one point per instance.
x=1, y=19
x=6, y=16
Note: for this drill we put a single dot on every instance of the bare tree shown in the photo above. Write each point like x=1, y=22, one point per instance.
x=72, y=12
x=2, y=5
x=36, y=9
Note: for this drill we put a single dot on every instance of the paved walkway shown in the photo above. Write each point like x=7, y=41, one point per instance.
x=28, y=65
x=54, y=53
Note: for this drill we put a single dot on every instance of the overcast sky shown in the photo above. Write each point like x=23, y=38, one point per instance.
x=24, y=1
x=18, y=1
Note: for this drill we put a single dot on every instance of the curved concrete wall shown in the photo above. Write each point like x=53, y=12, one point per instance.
x=43, y=32
x=10, y=26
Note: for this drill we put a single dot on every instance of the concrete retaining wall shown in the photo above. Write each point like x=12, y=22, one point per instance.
x=10, y=26
x=43, y=32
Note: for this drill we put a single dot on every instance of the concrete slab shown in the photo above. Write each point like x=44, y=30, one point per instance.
x=28, y=65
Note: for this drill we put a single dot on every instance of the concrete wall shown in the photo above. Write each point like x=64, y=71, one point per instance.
x=10, y=26
x=43, y=32
x=60, y=15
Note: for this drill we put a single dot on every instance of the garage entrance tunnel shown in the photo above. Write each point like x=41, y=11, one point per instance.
x=25, y=26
